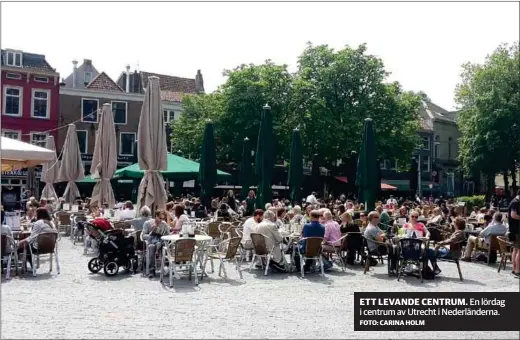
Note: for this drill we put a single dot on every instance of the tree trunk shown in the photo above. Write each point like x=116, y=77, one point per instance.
x=505, y=174
x=490, y=179
x=514, y=185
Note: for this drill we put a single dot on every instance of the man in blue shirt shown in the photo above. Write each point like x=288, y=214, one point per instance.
x=313, y=229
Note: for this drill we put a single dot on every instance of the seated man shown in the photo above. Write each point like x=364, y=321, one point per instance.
x=313, y=229
x=482, y=241
x=373, y=234
x=273, y=238
x=250, y=227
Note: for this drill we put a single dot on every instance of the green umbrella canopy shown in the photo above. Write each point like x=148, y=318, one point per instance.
x=179, y=168
x=246, y=169
x=367, y=179
x=295, y=179
x=265, y=157
x=208, y=165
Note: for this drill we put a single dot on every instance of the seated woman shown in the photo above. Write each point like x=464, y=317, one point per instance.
x=42, y=225
x=364, y=221
x=441, y=252
x=128, y=211
x=145, y=215
x=153, y=230
x=436, y=218
x=354, y=242
x=179, y=220
x=415, y=227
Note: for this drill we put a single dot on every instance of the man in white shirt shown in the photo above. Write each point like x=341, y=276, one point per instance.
x=349, y=207
x=391, y=201
x=495, y=228
x=311, y=199
x=250, y=227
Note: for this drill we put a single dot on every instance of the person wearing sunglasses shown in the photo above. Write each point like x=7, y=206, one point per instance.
x=375, y=238
x=414, y=226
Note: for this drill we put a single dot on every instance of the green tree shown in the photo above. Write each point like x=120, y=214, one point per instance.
x=188, y=130
x=335, y=91
x=489, y=119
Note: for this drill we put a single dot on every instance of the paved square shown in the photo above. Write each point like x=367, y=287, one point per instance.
x=78, y=304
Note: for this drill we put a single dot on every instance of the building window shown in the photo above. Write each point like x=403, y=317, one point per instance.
x=382, y=164
x=11, y=134
x=40, y=103
x=169, y=115
x=14, y=59
x=126, y=143
x=82, y=140
x=88, y=78
x=450, y=140
x=425, y=163
x=436, y=147
x=89, y=110
x=392, y=164
x=12, y=101
x=119, y=111
x=39, y=138
x=426, y=143
x=16, y=76
x=41, y=79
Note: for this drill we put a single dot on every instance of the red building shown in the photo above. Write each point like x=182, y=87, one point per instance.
x=30, y=97
x=30, y=108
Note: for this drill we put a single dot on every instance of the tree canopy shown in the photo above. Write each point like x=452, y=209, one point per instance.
x=489, y=119
x=328, y=98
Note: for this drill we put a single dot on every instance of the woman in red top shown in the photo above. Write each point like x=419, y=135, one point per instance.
x=415, y=226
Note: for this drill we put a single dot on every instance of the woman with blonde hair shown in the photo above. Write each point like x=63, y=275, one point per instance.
x=250, y=203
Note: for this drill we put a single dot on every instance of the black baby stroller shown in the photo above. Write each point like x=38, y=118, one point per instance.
x=114, y=250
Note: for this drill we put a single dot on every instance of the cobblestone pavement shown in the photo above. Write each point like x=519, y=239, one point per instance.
x=78, y=304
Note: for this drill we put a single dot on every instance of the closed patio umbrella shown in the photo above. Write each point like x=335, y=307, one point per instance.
x=104, y=159
x=295, y=179
x=152, y=154
x=71, y=168
x=265, y=158
x=208, y=165
x=50, y=172
x=246, y=169
x=367, y=179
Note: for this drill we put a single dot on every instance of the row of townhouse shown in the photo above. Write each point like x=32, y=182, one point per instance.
x=36, y=104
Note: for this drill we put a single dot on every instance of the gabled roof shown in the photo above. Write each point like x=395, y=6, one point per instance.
x=170, y=83
x=104, y=83
x=431, y=111
x=86, y=66
x=31, y=61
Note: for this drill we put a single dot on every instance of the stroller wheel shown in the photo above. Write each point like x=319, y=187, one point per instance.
x=111, y=268
x=94, y=265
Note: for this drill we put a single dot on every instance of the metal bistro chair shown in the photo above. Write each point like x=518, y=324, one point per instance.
x=313, y=251
x=368, y=254
x=64, y=222
x=231, y=245
x=411, y=253
x=455, y=247
x=181, y=253
x=260, y=250
x=7, y=256
x=505, y=252
x=47, y=245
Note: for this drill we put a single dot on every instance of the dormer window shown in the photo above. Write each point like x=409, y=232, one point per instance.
x=14, y=59
x=88, y=78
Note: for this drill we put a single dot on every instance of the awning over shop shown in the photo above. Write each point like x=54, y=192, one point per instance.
x=342, y=179
x=389, y=187
x=404, y=185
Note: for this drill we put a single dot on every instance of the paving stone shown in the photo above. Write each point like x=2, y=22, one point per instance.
x=78, y=304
